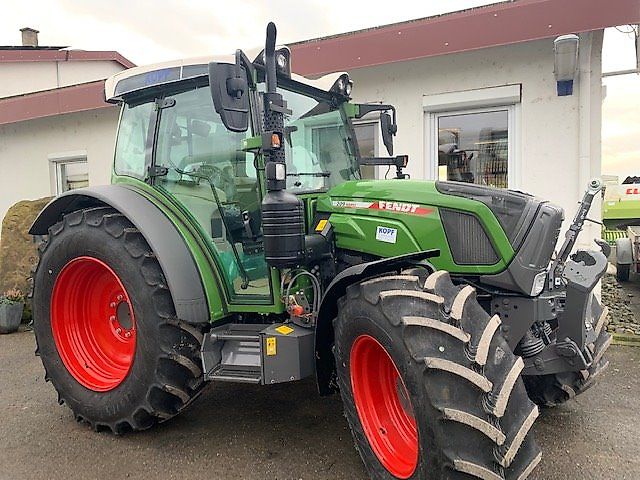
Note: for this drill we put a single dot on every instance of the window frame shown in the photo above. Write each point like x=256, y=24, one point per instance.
x=491, y=99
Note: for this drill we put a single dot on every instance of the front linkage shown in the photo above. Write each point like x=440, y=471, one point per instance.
x=564, y=347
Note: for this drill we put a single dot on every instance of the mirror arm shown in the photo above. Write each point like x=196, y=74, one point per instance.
x=243, y=60
x=365, y=108
x=399, y=161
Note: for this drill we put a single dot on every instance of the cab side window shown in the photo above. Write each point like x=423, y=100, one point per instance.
x=131, y=145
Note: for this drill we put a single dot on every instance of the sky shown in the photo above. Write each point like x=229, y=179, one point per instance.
x=148, y=31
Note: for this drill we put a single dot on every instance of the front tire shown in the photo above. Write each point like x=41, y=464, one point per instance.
x=106, y=328
x=430, y=388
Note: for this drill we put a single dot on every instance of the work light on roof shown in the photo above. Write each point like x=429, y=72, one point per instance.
x=283, y=61
x=343, y=85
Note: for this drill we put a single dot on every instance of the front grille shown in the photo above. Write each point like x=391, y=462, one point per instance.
x=469, y=243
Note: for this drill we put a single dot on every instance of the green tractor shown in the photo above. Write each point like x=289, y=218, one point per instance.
x=238, y=243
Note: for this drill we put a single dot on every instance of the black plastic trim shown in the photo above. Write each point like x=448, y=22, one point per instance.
x=534, y=255
x=178, y=265
x=497, y=200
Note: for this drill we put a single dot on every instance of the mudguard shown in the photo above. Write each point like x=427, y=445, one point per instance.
x=178, y=265
x=325, y=365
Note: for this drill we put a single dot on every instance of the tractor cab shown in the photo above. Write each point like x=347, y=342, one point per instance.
x=184, y=138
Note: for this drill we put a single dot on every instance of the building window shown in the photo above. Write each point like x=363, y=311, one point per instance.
x=367, y=138
x=474, y=147
x=68, y=172
x=72, y=175
x=472, y=136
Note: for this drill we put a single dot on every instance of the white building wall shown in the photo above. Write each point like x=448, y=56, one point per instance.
x=559, y=137
x=25, y=149
x=71, y=73
x=17, y=78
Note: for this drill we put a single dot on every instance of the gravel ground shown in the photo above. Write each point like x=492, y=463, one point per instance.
x=623, y=300
x=280, y=432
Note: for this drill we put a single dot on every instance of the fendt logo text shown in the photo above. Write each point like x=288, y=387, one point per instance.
x=400, y=207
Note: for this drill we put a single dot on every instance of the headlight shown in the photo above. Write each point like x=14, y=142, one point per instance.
x=538, y=284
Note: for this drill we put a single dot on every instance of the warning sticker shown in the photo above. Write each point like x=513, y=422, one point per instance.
x=321, y=225
x=284, y=329
x=386, y=234
x=271, y=346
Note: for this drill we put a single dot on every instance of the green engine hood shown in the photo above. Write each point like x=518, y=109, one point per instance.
x=393, y=217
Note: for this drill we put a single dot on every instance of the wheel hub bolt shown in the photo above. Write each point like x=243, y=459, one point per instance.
x=120, y=298
x=118, y=330
x=127, y=334
x=112, y=305
x=112, y=318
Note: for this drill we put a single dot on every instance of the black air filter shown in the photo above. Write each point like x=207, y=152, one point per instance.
x=469, y=243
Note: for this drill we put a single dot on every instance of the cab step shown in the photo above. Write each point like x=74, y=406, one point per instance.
x=232, y=353
x=258, y=354
x=236, y=374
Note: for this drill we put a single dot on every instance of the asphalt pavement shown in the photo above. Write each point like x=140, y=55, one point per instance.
x=280, y=432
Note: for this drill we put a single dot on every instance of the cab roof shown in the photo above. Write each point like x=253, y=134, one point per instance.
x=140, y=78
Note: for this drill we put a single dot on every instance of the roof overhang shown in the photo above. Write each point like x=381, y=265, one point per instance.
x=494, y=25
x=76, y=98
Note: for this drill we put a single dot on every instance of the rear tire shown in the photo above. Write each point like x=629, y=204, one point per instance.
x=622, y=272
x=80, y=341
x=458, y=410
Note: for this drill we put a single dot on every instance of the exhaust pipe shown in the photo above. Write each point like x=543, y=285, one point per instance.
x=282, y=212
x=270, y=58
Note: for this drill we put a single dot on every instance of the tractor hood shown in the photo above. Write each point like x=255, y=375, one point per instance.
x=479, y=230
x=412, y=191
x=513, y=210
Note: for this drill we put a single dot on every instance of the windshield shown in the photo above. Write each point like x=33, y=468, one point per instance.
x=320, y=149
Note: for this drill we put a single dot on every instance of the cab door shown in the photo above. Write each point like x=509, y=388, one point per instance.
x=216, y=182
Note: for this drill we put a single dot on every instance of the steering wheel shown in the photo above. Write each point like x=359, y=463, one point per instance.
x=219, y=178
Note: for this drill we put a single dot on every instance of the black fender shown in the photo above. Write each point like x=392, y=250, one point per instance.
x=179, y=267
x=325, y=365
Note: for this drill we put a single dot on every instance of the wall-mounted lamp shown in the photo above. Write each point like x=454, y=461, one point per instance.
x=565, y=50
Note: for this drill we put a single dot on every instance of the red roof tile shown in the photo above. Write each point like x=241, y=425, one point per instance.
x=75, y=98
x=498, y=24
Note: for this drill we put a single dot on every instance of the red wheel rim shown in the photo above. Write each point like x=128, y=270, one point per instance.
x=93, y=324
x=384, y=407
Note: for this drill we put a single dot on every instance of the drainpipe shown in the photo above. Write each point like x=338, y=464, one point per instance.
x=590, y=124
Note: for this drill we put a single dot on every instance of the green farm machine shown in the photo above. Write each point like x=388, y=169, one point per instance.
x=238, y=243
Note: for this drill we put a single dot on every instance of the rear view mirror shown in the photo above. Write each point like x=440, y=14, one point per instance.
x=388, y=123
x=387, y=127
x=230, y=93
